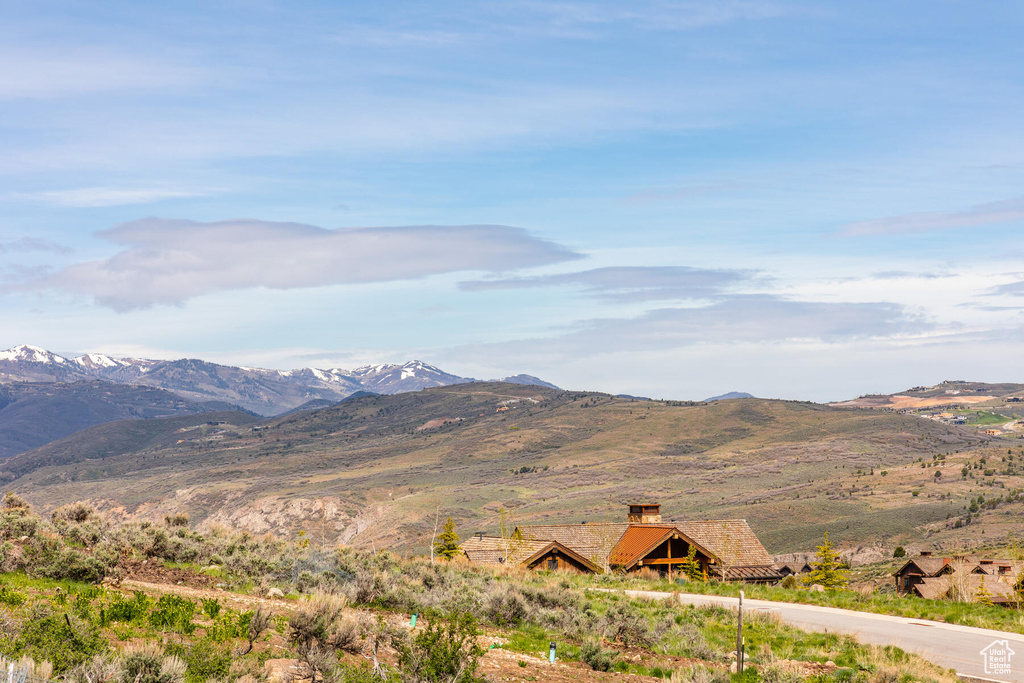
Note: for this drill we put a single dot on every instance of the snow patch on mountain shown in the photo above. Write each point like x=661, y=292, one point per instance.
x=26, y=353
x=267, y=392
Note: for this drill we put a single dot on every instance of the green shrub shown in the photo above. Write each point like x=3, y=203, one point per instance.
x=204, y=660
x=505, y=607
x=595, y=656
x=211, y=607
x=123, y=610
x=173, y=612
x=627, y=625
x=444, y=652
x=10, y=597
x=147, y=664
x=63, y=640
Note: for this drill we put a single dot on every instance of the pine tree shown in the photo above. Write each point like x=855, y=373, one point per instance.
x=690, y=566
x=983, y=596
x=447, y=543
x=827, y=568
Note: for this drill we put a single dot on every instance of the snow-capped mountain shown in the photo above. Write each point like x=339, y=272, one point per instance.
x=391, y=378
x=267, y=392
x=26, y=353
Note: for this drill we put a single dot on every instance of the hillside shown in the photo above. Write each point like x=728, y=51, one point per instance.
x=35, y=414
x=377, y=470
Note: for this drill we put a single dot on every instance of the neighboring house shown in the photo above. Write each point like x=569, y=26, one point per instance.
x=724, y=549
x=552, y=555
x=916, y=569
x=794, y=568
x=964, y=578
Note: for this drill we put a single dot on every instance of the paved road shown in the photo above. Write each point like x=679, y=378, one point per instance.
x=948, y=645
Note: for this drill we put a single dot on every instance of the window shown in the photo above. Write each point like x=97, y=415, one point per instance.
x=552, y=563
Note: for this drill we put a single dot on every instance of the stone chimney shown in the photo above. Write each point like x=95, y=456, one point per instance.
x=644, y=513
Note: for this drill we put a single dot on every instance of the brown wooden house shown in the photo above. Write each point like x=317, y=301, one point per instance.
x=915, y=570
x=795, y=568
x=550, y=555
x=725, y=549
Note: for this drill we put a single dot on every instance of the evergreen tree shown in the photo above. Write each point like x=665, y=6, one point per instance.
x=983, y=596
x=690, y=566
x=447, y=543
x=827, y=568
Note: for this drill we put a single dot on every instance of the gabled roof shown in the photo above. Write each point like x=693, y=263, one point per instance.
x=593, y=541
x=638, y=541
x=967, y=583
x=495, y=550
x=731, y=541
x=927, y=566
x=933, y=588
x=568, y=552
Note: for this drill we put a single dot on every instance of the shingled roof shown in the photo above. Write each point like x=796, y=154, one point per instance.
x=731, y=541
x=593, y=541
x=968, y=583
x=637, y=541
x=493, y=550
x=927, y=566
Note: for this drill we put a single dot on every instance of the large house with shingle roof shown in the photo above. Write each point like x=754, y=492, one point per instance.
x=964, y=578
x=724, y=549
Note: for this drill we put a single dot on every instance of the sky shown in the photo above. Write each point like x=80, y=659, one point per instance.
x=802, y=200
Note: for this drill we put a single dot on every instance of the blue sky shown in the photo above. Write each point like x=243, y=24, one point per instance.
x=797, y=199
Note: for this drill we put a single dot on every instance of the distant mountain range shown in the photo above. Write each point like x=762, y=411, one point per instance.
x=262, y=391
x=729, y=395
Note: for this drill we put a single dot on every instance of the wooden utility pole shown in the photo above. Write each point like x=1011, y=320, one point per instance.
x=739, y=637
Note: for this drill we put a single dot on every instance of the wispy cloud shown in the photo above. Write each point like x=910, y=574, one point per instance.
x=168, y=261
x=629, y=283
x=737, y=319
x=34, y=244
x=51, y=73
x=1012, y=289
x=93, y=197
x=1007, y=211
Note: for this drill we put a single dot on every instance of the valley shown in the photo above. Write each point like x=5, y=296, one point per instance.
x=378, y=471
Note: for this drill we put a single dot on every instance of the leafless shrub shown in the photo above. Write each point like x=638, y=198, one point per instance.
x=73, y=512
x=100, y=669
x=699, y=674
x=627, y=625
x=12, y=501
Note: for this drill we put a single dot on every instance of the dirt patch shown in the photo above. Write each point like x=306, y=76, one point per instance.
x=439, y=422
x=152, y=571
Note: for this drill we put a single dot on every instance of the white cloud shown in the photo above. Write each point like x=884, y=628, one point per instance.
x=1009, y=211
x=735, y=319
x=92, y=197
x=168, y=261
x=43, y=74
x=630, y=283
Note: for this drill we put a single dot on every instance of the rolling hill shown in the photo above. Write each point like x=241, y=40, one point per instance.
x=33, y=414
x=378, y=471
